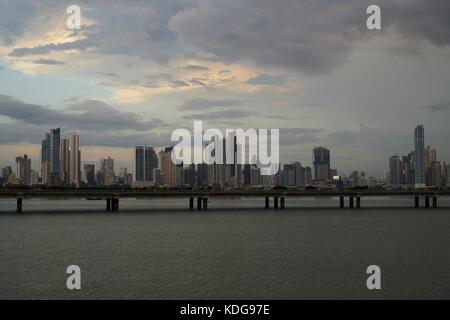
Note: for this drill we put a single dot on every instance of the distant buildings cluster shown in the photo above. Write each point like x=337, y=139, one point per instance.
x=420, y=168
x=61, y=166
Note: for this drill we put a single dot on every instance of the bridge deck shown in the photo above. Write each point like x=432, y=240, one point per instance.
x=104, y=194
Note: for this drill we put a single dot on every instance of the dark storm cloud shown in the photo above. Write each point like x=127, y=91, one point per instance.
x=308, y=36
x=49, y=62
x=203, y=104
x=445, y=106
x=87, y=115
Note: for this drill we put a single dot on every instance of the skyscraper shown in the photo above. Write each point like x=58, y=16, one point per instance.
x=65, y=161
x=247, y=175
x=107, y=171
x=45, y=159
x=447, y=175
x=436, y=174
x=6, y=172
x=202, y=175
x=168, y=167
x=395, y=171
x=55, y=141
x=151, y=163
x=408, y=169
x=24, y=169
x=321, y=161
x=75, y=160
x=146, y=161
x=89, y=174
x=430, y=157
x=419, y=151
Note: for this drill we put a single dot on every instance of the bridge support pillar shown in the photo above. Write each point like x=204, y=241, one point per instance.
x=341, y=202
x=351, y=202
x=108, y=204
x=205, y=203
x=435, y=202
x=267, y=202
x=282, y=202
x=416, y=202
x=19, y=205
x=358, y=202
x=427, y=202
x=191, y=203
x=199, y=203
x=115, y=204
x=275, y=202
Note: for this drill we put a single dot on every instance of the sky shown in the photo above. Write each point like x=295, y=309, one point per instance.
x=137, y=70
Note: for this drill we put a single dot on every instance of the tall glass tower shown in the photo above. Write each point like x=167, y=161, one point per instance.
x=321, y=161
x=419, y=148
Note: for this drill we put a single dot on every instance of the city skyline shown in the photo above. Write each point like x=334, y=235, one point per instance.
x=61, y=165
x=332, y=82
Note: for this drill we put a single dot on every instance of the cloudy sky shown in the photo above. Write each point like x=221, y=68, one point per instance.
x=139, y=69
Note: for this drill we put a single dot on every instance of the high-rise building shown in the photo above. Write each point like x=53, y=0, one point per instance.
x=247, y=175
x=408, y=169
x=24, y=169
x=89, y=174
x=6, y=172
x=436, y=174
x=298, y=173
x=151, y=163
x=321, y=161
x=189, y=175
x=448, y=175
x=419, y=151
x=430, y=157
x=55, y=142
x=139, y=160
x=159, y=176
x=45, y=159
x=45, y=172
x=288, y=178
x=65, y=161
x=255, y=176
x=75, y=160
x=308, y=176
x=146, y=161
x=168, y=167
x=395, y=171
x=180, y=178
x=202, y=175
x=34, y=176
x=107, y=171
x=125, y=178
x=51, y=152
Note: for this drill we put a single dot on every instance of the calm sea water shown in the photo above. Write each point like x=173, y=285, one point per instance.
x=156, y=249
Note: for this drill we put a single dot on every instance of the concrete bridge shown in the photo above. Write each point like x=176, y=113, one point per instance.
x=427, y=198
